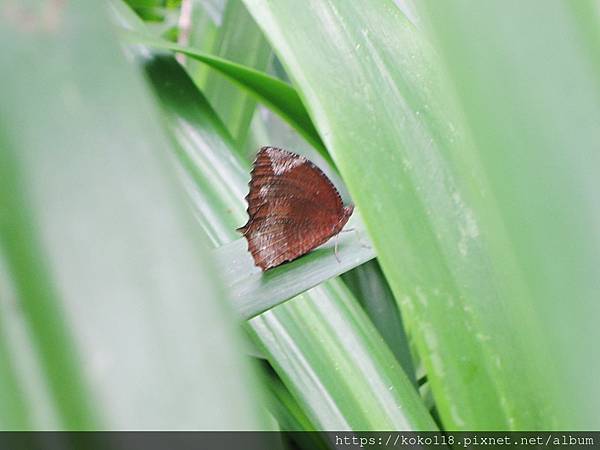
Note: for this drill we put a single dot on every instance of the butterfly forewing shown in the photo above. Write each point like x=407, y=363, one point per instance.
x=292, y=208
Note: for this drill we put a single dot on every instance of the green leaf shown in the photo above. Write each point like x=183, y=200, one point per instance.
x=109, y=305
x=370, y=288
x=292, y=416
x=203, y=147
x=202, y=34
x=239, y=40
x=531, y=97
x=330, y=350
x=309, y=367
x=275, y=94
x=384, y=107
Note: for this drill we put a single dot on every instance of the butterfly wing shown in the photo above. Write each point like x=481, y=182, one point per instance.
x=292, y=207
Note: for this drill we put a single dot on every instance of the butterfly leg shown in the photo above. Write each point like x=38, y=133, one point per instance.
x=335, y=248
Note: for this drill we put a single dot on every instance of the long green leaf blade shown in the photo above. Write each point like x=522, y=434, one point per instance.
x=108, y=303
x=370, y=288
x=537, y=134
x=274, y=93
x=382, y=104
x=321, y=335
x=240, y=40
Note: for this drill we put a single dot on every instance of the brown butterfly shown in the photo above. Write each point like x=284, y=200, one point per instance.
x=292, y=207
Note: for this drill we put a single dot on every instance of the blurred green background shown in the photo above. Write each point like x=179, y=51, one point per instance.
x=466, y=133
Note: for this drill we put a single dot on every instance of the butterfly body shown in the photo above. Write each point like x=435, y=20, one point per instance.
x=292, y=207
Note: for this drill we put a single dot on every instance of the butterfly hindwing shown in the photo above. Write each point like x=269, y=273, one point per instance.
x=292, y=208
